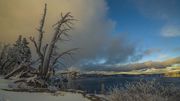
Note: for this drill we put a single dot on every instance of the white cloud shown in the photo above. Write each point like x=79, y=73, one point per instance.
x=170, y=31
x=161, y=57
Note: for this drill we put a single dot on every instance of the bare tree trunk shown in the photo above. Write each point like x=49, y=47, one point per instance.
x=38, y=45
x=47, y=57
x=17, y=70
x=62, y=27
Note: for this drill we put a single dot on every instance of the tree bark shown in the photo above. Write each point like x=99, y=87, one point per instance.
x=47, y=56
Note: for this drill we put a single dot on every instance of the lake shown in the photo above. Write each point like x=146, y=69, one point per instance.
x=94, y=85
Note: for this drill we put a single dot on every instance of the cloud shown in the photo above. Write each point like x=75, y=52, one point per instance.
x=162, y=56
x=176, y=49
x=170, y=31
x=151, y=51
x=135, y=67
x=92, y=33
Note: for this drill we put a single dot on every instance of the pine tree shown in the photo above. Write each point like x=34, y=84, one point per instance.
x=25, y=51
x=4, y=60
x=20, y=52
x=19, y=55
x=16, y=56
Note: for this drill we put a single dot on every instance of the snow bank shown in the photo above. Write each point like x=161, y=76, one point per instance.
x=19, y=96
x=25, y=96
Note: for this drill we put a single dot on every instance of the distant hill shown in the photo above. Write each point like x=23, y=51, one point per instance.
x=172, y=74
x=154, y=64
x=171, y=61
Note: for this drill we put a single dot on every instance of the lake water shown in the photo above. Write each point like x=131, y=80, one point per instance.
x=94, y=85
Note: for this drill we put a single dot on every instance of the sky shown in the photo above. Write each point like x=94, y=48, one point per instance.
x=153, y=24
x=108, y=32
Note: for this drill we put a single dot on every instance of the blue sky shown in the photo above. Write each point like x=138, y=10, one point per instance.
x=151, y=24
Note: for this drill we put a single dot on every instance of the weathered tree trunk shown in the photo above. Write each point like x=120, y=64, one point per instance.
x=62, y=27
x=38, y=45
x=48, y=54
x=20, y=68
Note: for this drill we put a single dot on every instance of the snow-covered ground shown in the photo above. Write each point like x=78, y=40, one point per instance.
x=24, y=96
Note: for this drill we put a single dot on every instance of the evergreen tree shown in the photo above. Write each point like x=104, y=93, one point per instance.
x=20, y=52
x=25, y=51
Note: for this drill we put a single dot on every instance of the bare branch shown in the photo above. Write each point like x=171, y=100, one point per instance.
x=62, y=32
x=45, y=49
x=41, y=32
x=63, y=26
x=36, y=46
x=60, y=29
x=68, y=52
x=62, y=63
x=33, y=41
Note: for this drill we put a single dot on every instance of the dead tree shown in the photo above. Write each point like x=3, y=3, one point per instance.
x=62, y=27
